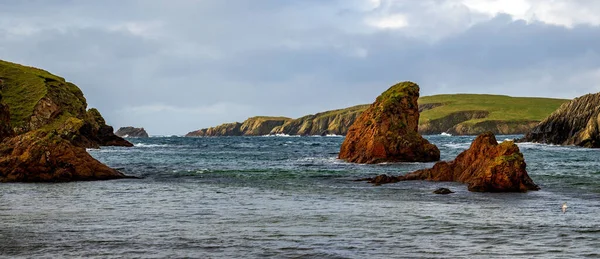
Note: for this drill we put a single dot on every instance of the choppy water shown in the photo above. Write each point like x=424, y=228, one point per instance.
x=289, y=197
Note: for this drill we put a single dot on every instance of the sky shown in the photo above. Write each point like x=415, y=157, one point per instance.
x=180, y=65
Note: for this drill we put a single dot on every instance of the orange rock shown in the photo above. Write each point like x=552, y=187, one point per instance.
x=46, y=157
x=486, y=167
x=388, y=130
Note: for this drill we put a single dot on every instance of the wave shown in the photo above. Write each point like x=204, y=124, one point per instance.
x=446, y=134
x=532, y=145
x=151, y=145
x=281, y=135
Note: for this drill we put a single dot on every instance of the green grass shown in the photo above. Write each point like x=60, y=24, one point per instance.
x=500, y=107
x=23, y=87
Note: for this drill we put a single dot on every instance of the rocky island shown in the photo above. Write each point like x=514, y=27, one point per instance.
x=457, y=114
x=573, y=123
x=388, y=130
x=486, y=167
x=131, y=132
x=45, y=129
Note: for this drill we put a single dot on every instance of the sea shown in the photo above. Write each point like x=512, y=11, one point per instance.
x=290, y=197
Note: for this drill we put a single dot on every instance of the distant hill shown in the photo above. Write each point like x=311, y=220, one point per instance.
x=457, y=114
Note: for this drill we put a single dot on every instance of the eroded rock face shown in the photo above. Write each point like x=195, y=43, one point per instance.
x=131, y=132
x=47, y=157
x=574, y=123
x=6, y=130
x=486, y=167
x=388, y=130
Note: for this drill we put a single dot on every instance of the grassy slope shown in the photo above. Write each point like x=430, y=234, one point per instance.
x=500, y=107
x=22, y=88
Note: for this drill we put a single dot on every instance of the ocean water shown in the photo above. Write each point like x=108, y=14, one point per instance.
x=289, y=197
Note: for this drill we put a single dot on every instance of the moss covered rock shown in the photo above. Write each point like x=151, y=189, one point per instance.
x=39, y=156
x=486, y=167
x=37, y=99
x=388, y=130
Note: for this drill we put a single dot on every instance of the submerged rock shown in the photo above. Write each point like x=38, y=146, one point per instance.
x=131, y=132
x=574, y=123
x=388, y=130
x=443, y=191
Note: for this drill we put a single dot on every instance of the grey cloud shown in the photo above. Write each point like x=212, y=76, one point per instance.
x=187, y=64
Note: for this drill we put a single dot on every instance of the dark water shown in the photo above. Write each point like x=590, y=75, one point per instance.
x=288, y=197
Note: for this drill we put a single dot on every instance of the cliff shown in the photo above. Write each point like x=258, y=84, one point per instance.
x=255, y=126
x=44, y=141
x=458, y=114
x=131, y=132
x=37, y=98
x=387, y=131
x=486, y=167
x=573, y=123
x=335, y=122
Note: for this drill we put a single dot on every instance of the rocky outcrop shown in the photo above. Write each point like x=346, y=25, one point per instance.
x=52, y=129
x=39, y=156
x=39, y=100
x=486, y=167
x=497, y=127
x=388, y=130
x=255, y=126
x=574, y=123
x=132, y=132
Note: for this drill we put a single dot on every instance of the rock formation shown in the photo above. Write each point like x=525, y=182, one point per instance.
x=574, y=123
x=486, y=167
x=38, y=156
x=131, y=132
x=388, y=130
x=38, y=99
x=255, y=126
x=44, y=141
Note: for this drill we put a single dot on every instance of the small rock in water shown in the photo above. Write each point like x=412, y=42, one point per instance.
x=443, y=191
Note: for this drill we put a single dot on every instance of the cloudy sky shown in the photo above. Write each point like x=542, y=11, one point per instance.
x=180, y=65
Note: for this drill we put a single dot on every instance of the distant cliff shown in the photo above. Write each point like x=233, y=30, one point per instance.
x=457, y=114
x=574, y=123
x=255, y=126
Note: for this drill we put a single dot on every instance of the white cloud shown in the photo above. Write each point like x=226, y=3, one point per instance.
x=394, y=21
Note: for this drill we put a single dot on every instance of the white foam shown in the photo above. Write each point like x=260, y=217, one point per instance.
x=150, y=145
x=446, y=134
x=282, y=135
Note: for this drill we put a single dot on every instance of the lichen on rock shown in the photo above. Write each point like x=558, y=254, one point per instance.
x=388, y=130
x=486, y=167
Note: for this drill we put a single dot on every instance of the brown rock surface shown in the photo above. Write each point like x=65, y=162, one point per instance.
x=486, y=167
x=37, y=156
x=388, y=130
x=574, y=123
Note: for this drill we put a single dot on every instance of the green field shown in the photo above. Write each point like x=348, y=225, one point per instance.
x=500, y=107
